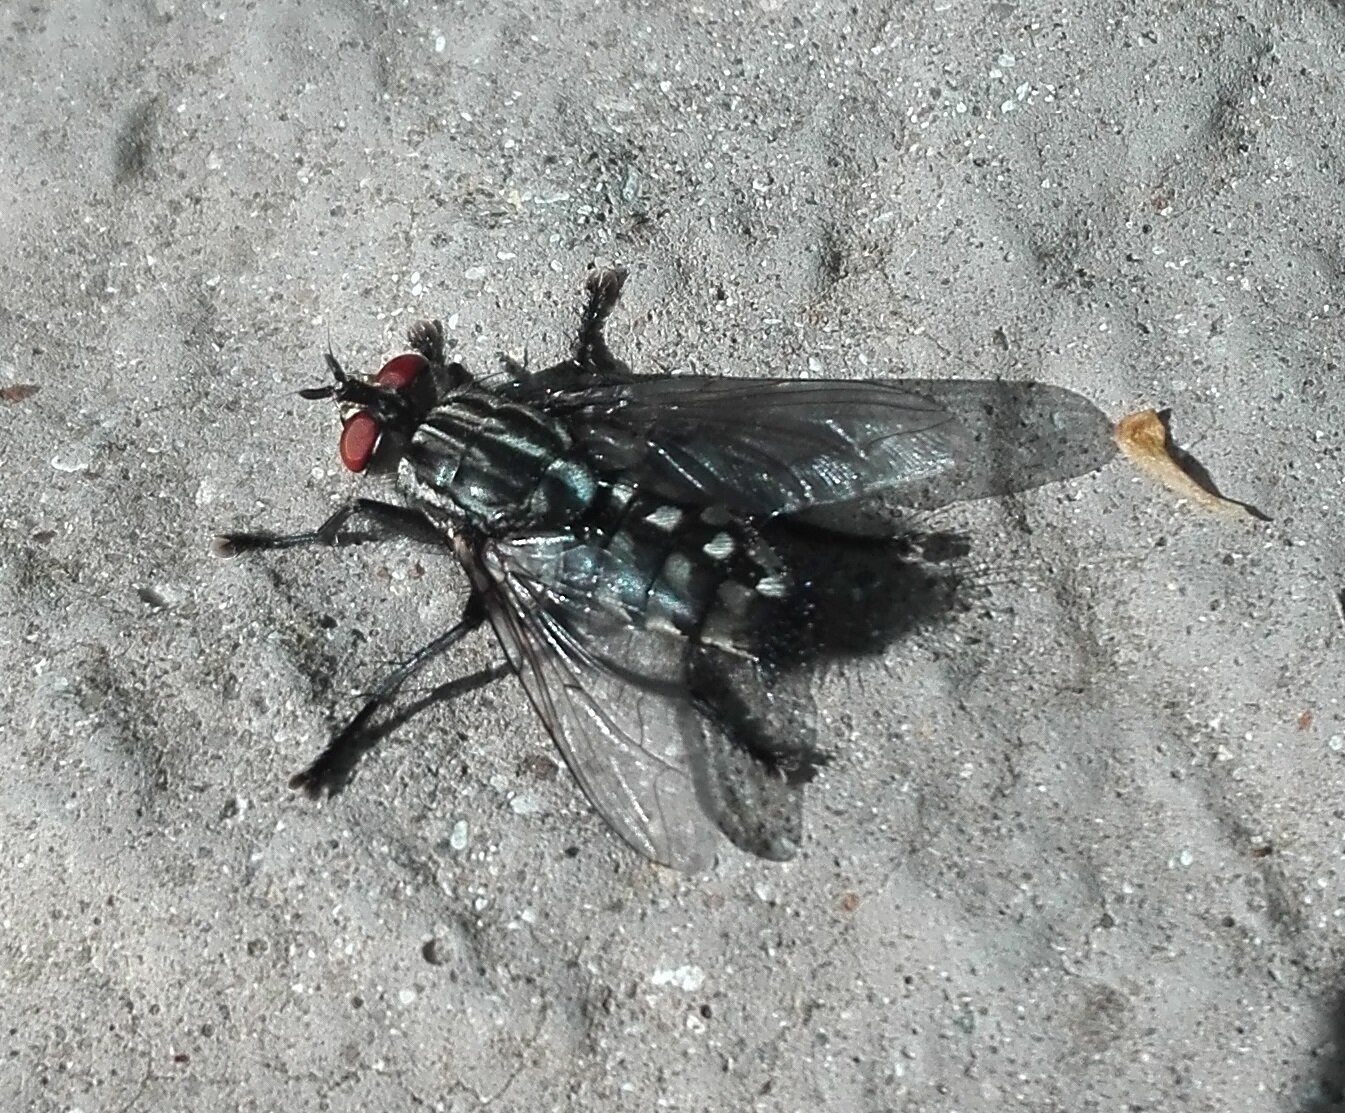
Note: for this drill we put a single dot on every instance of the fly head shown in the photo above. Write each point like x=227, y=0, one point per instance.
x=379, y=414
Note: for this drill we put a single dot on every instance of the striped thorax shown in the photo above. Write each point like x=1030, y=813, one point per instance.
x=496, y=462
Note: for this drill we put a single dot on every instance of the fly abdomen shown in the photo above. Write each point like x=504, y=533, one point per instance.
x=687, y=570
x=498, y=463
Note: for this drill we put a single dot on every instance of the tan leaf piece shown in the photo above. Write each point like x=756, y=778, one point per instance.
x=1145, y=439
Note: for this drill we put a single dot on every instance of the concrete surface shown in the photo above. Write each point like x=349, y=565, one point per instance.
x=1082, y=849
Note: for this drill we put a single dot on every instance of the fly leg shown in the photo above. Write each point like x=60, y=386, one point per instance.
x=516, y=371
x=333, y=767
x=590, y=350
x=386, y=520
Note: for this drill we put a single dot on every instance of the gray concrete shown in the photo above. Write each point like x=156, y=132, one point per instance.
x=1081, y=849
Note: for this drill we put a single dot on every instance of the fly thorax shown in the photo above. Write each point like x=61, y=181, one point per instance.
x=497, y=462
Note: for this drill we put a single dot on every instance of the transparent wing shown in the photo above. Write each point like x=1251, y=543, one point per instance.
x=654, y=760
x=832, y=452
x=765, y=446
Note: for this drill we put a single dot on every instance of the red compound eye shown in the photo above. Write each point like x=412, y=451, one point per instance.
x=401, y=371
x=361, y=430
x=359, y=438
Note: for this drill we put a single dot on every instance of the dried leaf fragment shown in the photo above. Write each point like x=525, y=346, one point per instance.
x=1144, y=438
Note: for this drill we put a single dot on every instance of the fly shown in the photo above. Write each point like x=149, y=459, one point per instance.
x=660, y=556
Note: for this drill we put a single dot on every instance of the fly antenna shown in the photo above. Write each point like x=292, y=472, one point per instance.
x=338, y=373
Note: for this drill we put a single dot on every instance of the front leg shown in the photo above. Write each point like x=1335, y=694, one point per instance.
x=386, y=519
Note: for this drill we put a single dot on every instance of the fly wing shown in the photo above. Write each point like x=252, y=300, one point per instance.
x=1014, y=437
x=846, y=456
x=650, y=756
x=764, y=446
